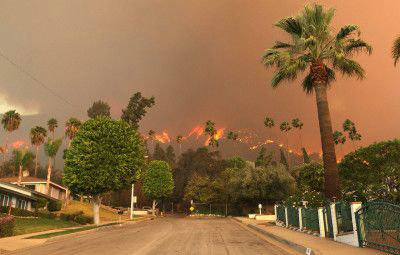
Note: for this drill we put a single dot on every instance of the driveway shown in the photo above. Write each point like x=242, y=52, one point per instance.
x=169, y=236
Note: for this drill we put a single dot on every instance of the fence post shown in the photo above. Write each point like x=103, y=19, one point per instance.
x=276, y=214
x=334, y=221
x=300, y=218
x=354, y=206
x=286, y=217
x=321, y=221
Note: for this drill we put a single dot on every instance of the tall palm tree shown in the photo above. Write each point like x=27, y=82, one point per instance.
x=51, y=148
x=38, y=134
x=233, y=136
x=296, y=123
x=396, y=50
x=52, y=124
x=179, y=142
x=11, y=121
x=22, y=158
x=314, y=46
x=72, y=127
x=211, y=131
x=285, y=127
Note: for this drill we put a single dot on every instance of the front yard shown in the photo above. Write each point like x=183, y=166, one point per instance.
x=32, y=225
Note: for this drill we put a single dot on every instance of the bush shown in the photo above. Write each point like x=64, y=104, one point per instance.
x=17, y=212
x=83, y=219
x=54, y=206
x=40, y=203
x=45, y=214
x=7, y=225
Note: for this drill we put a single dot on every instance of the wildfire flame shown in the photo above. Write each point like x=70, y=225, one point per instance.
x=197, y=130
x=17, y=144
x=163, y=137
x=219, y=135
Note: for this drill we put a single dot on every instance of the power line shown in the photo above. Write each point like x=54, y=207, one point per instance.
x=21, y=69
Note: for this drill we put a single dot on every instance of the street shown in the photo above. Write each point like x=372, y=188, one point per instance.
x=162, y=236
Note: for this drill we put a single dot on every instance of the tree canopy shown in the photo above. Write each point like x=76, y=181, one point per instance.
x=157, y=181
x=136, y=109
x=99, y=108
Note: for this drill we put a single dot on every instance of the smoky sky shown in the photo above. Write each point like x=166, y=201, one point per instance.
x=200, y=59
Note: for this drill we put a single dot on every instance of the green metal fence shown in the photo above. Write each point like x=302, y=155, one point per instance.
x=310, y=219
x=378, y=225
x=280, y=211
x=293, y=217
x=343, y=217
x=328, y=220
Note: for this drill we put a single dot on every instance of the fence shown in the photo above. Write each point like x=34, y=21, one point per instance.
x=280, y=214
x=293, y=217
x=310, y=219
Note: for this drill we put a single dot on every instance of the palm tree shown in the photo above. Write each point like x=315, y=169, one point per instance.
x=339, y=138
x=22, y=158
x=233, y=136
x=72, y=127
x=296, y=123
x=179, y=142
x=151, y=137
x=285, y=127
x=11, y=121
x=211, y=131
x=51, y=148
x=396, y=50
x=314, y=46
x=37, y=138
x=52, y=124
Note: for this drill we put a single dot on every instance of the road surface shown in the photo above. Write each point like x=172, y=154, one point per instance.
x=167, y=236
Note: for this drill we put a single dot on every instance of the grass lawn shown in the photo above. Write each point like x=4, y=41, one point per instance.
x=105, y=215
x=69, y=231
x=26, y=226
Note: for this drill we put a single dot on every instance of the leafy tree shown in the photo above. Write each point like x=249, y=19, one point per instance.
x=314, y=46
x=51, y=149
x=306, y=158
x=285, y=127
x=235, y=162
x=283, y=160
x=200, y=189
x=396, y=50
x=263, y=160
x=22, y=158
x=211, y=131
x=11, y=121
x=339, y=138
x=136, y=109
x=372, y=172
x=52, y=124
x=38, y=134
x=72, y=127
x=309, y=177
x=151, y=137
x=296, y=123
x=99, y=108
x=105, y=155
x=350, y=128
x=170, y=156
x=159, y=153
x=158, y=182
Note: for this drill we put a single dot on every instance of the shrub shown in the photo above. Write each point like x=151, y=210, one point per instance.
x=17, y=211
x=54, y=206
x=40, y=203
x=45, y=214
x=83, y=219
x=7, y=225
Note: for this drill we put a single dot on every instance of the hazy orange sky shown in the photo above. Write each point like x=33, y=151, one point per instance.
x=200, y=59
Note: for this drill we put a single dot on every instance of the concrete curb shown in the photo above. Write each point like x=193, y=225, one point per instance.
x=298, y=247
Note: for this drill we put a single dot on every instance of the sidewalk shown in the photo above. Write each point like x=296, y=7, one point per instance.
x=8, y=244
x=318, y=245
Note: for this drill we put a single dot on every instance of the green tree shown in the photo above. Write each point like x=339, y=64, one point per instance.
x=339, y=138
x=158, y=182
x=38, y=135
x=105, y=155
x=170, y=156
x=285, y=127
x=372, y=172
x=22, y=158
x=51, y=149
x=283, y=160
x=306, y=158
x=72, y=127
x=263, y=160
x=314, y=46
x=179, y=139
x=396, y=50
x=296, y=123
x=159, y=153
x=11, y=121
x=309, y=177
x=52, y=124
x=350, y=128
x=136, y=109
x=211, y=131
x=99, y=108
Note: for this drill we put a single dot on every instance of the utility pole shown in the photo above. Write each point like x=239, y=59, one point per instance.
x=132, y=202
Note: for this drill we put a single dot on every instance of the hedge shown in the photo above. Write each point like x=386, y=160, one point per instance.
x=77, y=217
x=17, y=212
x=54, y=206
x=7, y=225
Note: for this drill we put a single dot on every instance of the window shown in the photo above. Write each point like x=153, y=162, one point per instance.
x=21, y=204
x=4, y=200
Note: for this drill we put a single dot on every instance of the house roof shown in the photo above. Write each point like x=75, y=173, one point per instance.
x=28, y=180
x=12, y=188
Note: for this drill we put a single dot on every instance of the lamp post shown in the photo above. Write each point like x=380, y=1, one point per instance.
x=132, y=202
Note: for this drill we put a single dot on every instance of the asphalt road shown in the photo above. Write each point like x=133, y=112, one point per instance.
x=165, y=236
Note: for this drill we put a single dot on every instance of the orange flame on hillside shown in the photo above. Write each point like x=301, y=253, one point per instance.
x=163, y=137
x=197, y=130
x=219, y=135
x=18, y=143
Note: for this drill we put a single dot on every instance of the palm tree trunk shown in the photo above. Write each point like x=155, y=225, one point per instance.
x=332, y=185
x=287, y=148
x=20, y=175
x=48, y=177
x=36, y=160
